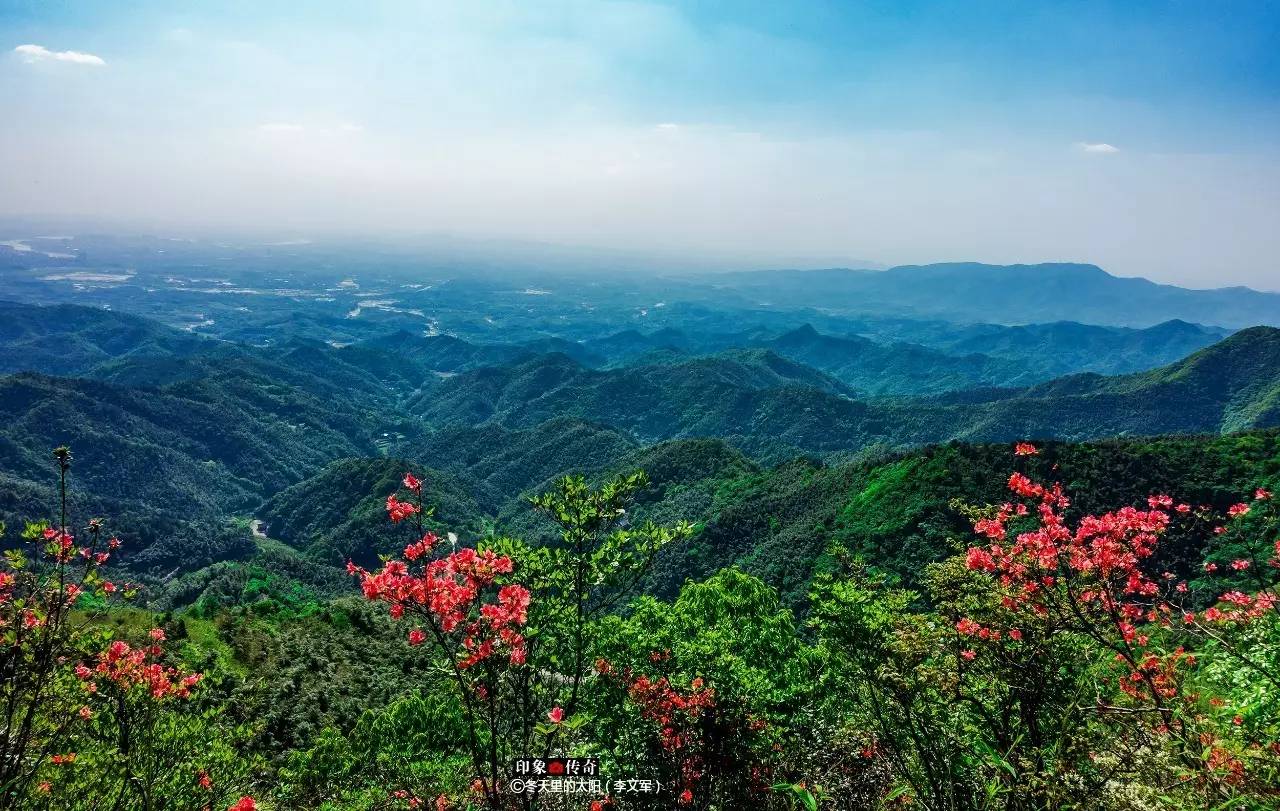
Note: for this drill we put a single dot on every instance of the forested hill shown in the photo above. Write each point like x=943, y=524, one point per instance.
x=1062, y=347
x=895, y=510
x=874, y=368
x=1229, y=386
x=72, y=340
x=204, y=431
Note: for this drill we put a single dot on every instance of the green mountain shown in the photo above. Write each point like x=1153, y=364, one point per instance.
x=896, y=511
x=1065, y=347
x=900, y=355
x=501, y=463
x=72, y=340
x=1231, y=386
x=193, y=452
x=339, y=513
x=769, y=409
x=175, y=434
x=899, y=368
x=688, y=397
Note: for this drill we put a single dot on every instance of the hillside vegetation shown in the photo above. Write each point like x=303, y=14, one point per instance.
x=773, y=568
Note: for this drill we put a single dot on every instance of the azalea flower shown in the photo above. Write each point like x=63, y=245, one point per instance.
x=399, y=510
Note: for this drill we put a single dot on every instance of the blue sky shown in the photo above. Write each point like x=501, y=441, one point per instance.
x=1140, y=136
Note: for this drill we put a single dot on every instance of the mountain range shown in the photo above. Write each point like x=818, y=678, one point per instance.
x=970, y=292
x=183, y=436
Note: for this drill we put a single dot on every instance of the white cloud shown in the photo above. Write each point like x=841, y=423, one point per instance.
x=277, y=126
x=1097, y=149
x=39, y=53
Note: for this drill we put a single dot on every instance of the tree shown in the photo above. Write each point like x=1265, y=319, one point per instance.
x=513, y=625
x=38, y=590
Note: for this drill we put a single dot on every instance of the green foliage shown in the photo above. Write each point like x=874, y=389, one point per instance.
x=732, y=631
x=158, y=767
x=412, y=744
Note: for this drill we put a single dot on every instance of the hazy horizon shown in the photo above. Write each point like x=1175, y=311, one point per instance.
x=1138, y=137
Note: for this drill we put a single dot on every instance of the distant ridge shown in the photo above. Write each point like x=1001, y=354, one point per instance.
x=1005, y=294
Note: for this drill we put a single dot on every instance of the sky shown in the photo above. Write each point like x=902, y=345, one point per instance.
x=1140, y=136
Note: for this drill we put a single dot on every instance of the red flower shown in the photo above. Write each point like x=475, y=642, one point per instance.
x=411, y=482
x=686, y=797
x=126, y=668
x=556, y=715
x=421, y=547
x=244, y=804
x=980, y=559
x=1024, y=487
x=1025, y=449
x=449, y=592
x=399, y=510
x=968, y=655
x=204, y=782
x=417, y=637
x=993, y=528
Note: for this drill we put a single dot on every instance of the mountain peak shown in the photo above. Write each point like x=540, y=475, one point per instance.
x=801, y=333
